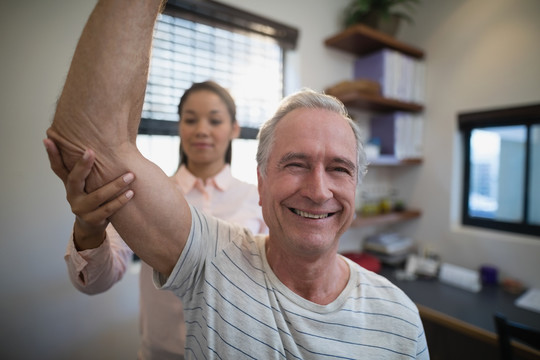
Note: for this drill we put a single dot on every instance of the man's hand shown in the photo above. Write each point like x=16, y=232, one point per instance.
x=92, y=210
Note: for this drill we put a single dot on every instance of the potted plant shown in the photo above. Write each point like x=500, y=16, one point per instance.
x=378, y=14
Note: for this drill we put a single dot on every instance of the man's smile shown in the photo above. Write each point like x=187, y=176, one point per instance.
x=309, y=215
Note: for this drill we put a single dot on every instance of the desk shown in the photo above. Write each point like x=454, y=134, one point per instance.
x=460, y=319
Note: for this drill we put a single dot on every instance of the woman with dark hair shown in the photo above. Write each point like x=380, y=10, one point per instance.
x=96, y=255
x=228, y=101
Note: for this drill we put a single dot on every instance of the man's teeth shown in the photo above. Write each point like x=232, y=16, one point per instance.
x=310, y=216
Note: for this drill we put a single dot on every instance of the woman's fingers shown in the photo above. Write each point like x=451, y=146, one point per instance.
x=76, y=181
x=55, y=160
x=109, y=208
x=90, y=225
x=110, y=191
x=97, y=206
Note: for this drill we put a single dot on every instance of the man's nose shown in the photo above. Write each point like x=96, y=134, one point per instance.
x=317, y=186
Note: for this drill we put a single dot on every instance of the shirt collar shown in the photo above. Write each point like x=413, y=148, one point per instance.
x=186, y=180
x=223, y=178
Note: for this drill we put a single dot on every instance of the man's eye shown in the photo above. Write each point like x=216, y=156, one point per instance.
x=343, y=170
x=294, y=165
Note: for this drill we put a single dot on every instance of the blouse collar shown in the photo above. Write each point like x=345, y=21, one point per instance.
x=187, y=181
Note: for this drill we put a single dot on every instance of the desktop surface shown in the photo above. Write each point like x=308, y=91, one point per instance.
x=476, y=309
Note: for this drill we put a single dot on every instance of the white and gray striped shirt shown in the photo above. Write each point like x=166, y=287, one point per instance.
x=236, y=308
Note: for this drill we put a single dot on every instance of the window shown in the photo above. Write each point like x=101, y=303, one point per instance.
x=502, y=169
x=204, y=40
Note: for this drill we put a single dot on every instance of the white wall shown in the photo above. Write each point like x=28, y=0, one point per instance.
x=43, y=316
x=480, y=53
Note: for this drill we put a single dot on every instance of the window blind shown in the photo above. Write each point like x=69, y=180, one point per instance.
x=188, y=48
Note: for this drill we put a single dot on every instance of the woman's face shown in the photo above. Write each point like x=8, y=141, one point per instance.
x=206, y=129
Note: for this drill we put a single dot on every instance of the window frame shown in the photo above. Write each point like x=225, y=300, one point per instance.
x=527, y=115
x=217, y=14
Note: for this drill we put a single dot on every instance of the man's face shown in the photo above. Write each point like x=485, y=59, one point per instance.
x=307, y=196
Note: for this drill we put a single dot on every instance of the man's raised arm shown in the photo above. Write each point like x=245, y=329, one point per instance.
x=100, y=108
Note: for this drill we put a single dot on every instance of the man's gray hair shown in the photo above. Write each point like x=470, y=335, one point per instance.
x=312, y=100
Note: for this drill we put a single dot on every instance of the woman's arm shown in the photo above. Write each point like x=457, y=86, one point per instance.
x=94, y=271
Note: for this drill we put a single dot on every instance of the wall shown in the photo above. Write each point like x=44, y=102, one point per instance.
x=43, y=316
x=481, y=54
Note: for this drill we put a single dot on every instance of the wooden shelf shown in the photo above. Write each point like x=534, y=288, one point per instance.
x=392, y=161
x=360, y=40
x=385, y=219
x=377, y=102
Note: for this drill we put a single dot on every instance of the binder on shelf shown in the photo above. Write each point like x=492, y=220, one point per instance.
x=399, y=134
x=401, y=77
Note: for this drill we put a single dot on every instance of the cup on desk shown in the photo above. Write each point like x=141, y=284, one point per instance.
x=489, y=275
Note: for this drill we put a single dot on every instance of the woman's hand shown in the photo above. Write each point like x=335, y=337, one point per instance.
x=91, y=210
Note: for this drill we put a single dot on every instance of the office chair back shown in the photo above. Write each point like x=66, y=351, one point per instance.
x=508, y=330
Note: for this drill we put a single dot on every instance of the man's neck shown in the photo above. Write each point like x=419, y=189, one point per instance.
x=318, y=280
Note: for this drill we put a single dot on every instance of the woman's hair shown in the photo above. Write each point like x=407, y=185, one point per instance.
x=224, y=96
x=312, y=100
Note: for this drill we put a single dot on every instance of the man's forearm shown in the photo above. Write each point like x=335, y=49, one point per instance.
x=100, y=108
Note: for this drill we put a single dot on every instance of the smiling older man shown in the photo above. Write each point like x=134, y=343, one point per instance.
x=285, y=295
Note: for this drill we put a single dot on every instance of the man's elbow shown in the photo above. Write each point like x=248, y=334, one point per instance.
x=70, y=151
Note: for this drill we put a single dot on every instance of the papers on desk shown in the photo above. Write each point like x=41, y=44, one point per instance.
x=389, y=248
x=461, y=277
x=530, y=300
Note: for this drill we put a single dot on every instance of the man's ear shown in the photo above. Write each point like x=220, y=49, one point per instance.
x=259, y=185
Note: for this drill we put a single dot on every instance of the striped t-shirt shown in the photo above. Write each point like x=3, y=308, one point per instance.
x=236, y=308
